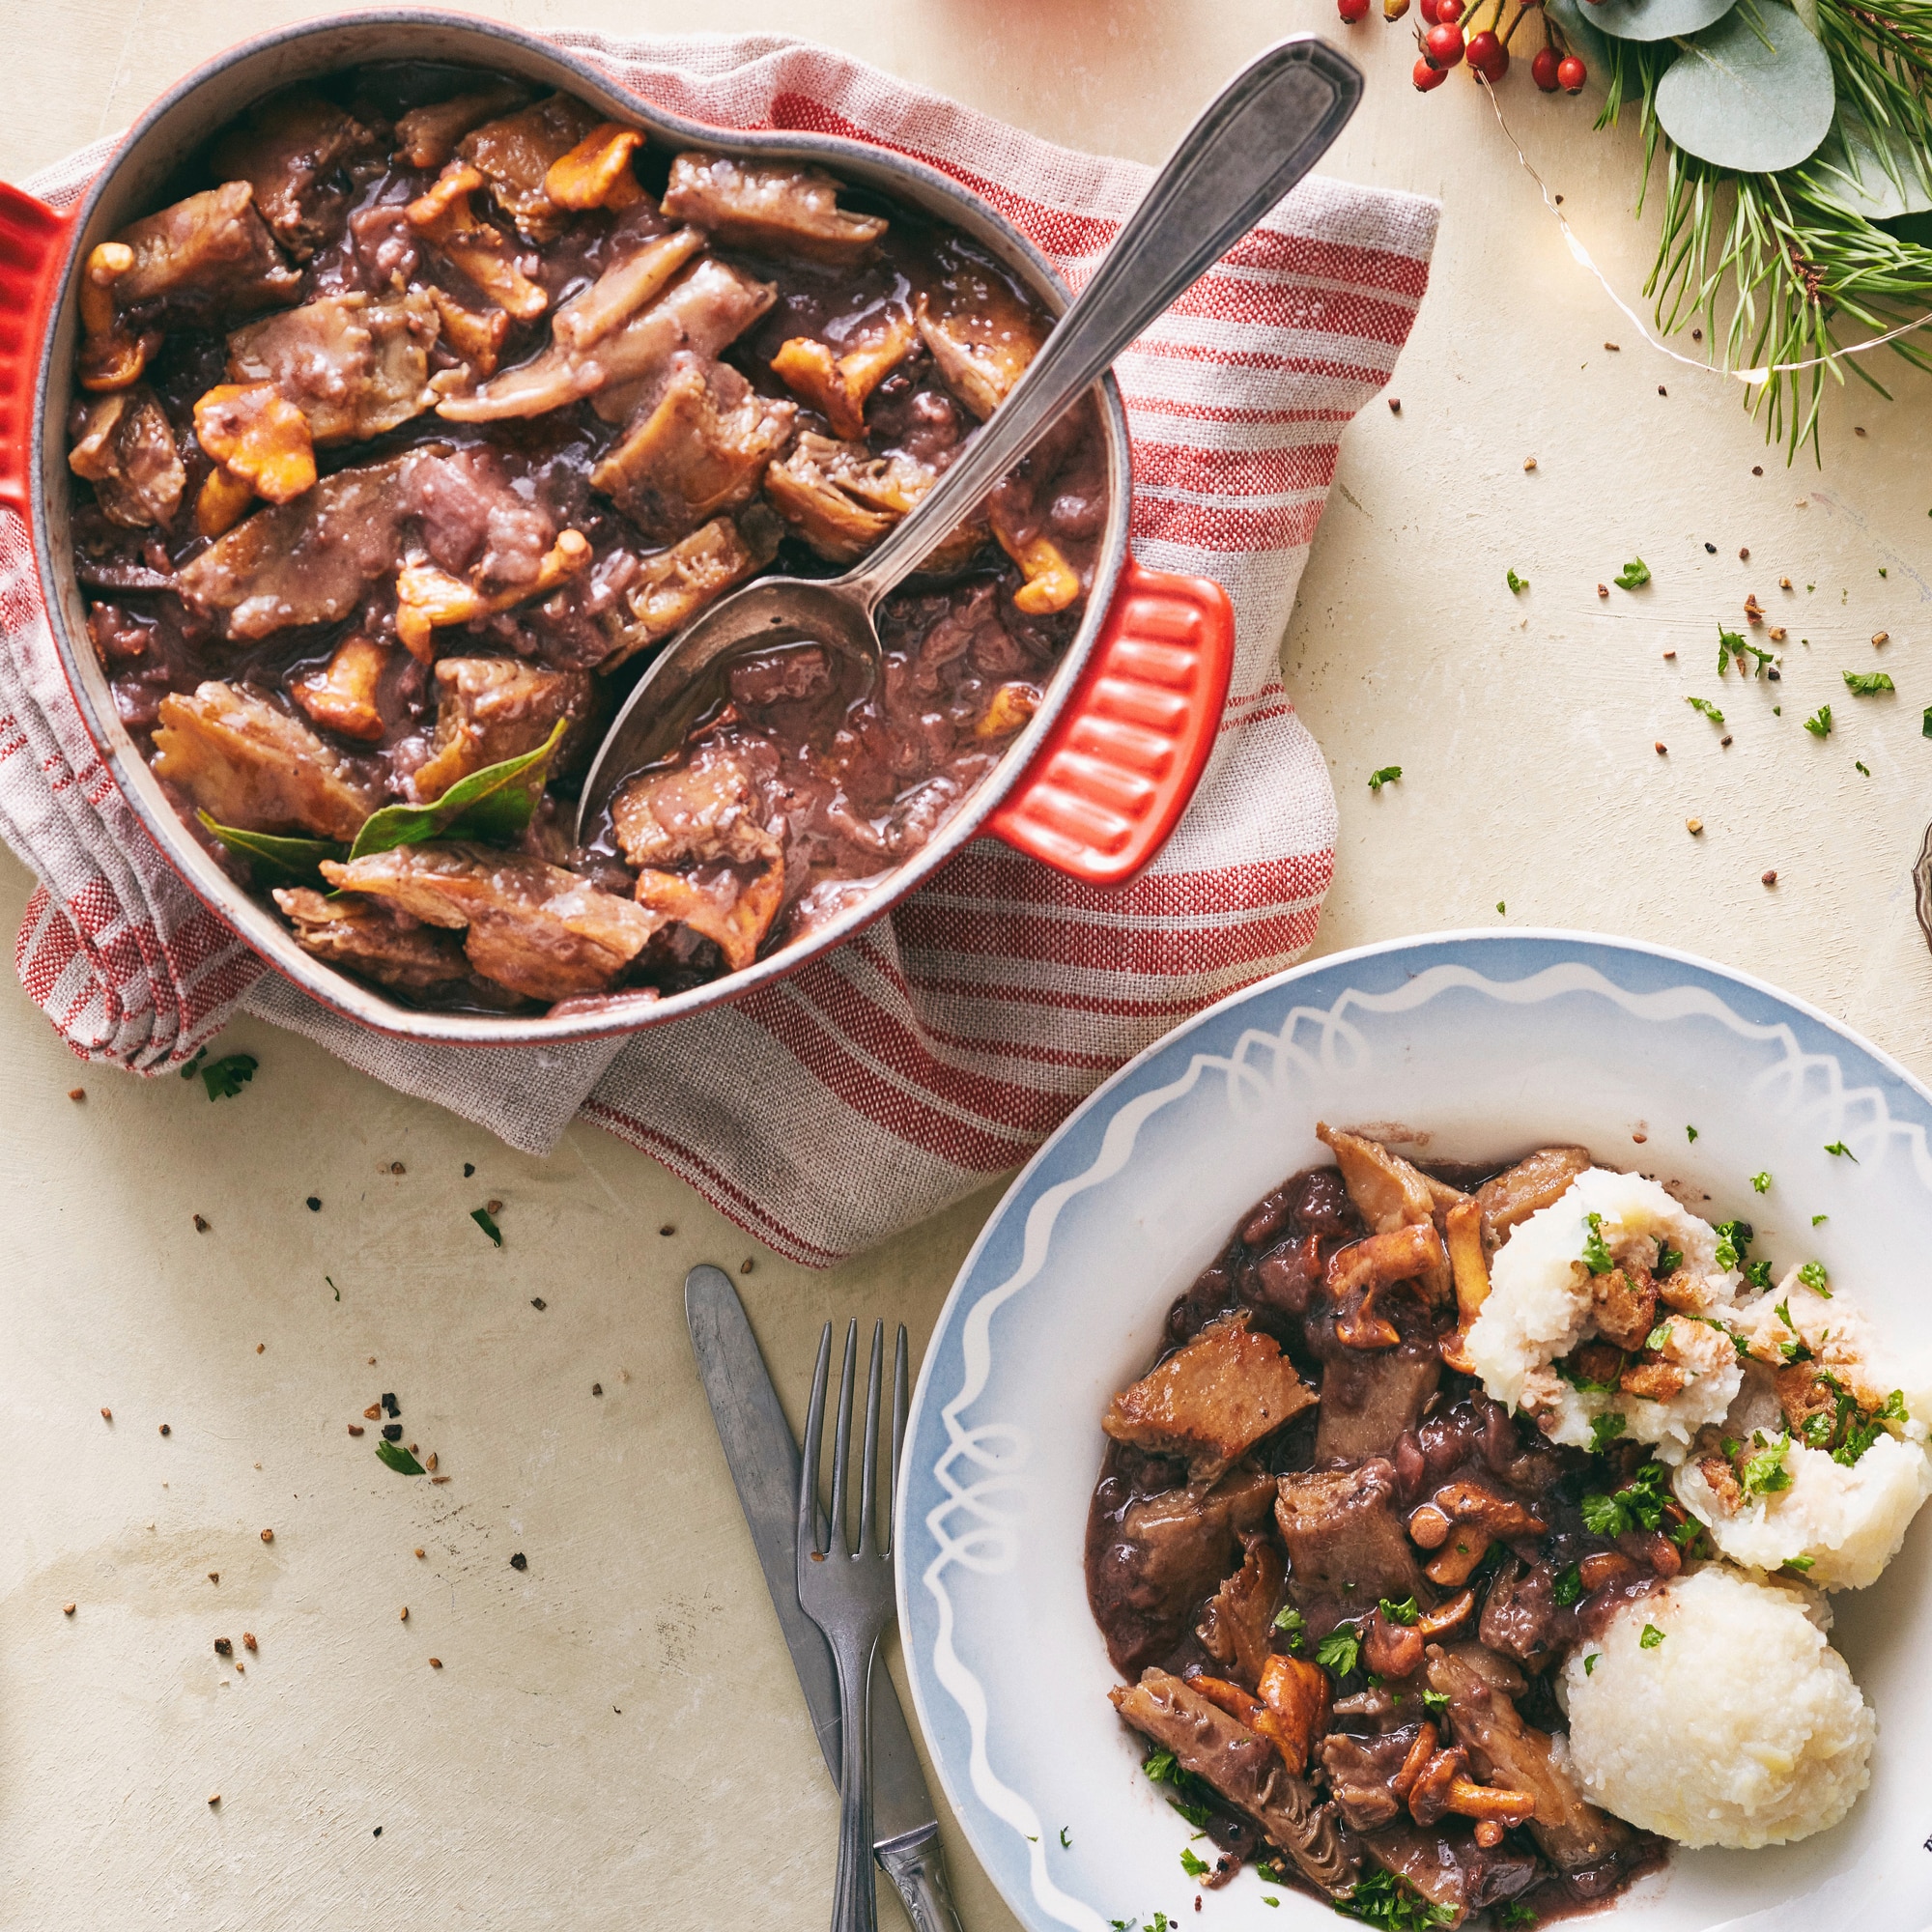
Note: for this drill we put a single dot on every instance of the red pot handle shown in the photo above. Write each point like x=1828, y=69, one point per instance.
x=1121, y=761
x=33, y=242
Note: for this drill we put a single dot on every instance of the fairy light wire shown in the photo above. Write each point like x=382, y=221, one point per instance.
x=1748, y=377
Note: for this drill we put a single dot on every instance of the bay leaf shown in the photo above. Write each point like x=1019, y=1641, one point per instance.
x=272, y=859
x=494, y=805
x=1753, y=93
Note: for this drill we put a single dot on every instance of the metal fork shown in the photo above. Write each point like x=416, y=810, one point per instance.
x=848, y=1592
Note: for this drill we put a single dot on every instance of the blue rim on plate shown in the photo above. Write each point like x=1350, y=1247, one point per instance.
x=1471, y=1046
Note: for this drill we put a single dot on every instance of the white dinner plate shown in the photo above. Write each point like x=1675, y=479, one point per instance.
x=1463, y=1046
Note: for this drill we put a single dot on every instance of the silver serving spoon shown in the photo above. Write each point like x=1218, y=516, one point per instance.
x=1265, y=131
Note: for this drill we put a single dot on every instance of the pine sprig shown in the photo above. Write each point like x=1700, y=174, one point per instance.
x=1782, y=267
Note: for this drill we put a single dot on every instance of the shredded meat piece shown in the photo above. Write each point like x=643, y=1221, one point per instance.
x=488, y=709
x=1361, y=1773
x=249, y=765
x=842, y=498
x=126, y=450
x=626, y=335
x=981, y=337
x=209, y=253
x=294, y=151
x=341, y=695
x=1532, y=1184
x=515, y=153
x=380, y=942
x=1624, y=1305
x=426, y=137
x=702, y=451
x=1244, y=1768
x=305, y=562
x=674, y=586
x=1236, y=1627
x=1213, y=1400
x=530, y=926
x=775, y=205
x=355, y=368
x=1341, y=1530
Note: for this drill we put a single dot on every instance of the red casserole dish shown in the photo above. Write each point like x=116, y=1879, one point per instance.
x=1093, y=786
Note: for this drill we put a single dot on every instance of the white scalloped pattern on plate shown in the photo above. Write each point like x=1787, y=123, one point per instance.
x=1483, y=1044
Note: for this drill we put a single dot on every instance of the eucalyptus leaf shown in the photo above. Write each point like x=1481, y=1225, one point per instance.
x=1875, y=172
x=1753, y=93
x=494, y=805
x=1654, y=20
x=277, y=861
x=1577, y=19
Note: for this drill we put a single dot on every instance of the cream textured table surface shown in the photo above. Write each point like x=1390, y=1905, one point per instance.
x=615, y=1738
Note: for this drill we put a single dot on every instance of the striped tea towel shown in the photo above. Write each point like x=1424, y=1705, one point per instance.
x=946, y=1042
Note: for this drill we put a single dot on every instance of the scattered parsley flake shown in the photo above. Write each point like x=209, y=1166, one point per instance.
x=1818, y=1220
x=1569, y=1586
x=1404, y=1612
x=1734, y=1240
x=1669, y=1259
x=1761, y=1184
x=1341, y=1649
x=1812, y=1274
x=1860, y=765
x=486, y=1221
x=1690, y=1133
x=1434, y=1700
x=224, y=1078
x=1066, y=1843
x=1379, y=1899
x=1193, y=1866
x=1839, y=1148
x=1758, y=1273
x=1516, y=1913
x=1386, y=776
x=1287, y=1618
x=1819, y=724
x=1605, y=1430
x=1649, y=1638
x=1516, y=584
x=1635, y=573
x=1732, y=645
x=1502, y=909
x=1637, y=1505
x=1925, y=724
x=1709, y=709
x=1765, y=1474
x=1590, y=1664
x=1658, y=1336
x=1596, y=1255
x=1802, y=1564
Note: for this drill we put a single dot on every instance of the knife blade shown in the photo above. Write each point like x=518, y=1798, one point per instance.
x=764, y=1457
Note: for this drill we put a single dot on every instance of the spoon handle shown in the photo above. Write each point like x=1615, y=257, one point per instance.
x=1267, y=128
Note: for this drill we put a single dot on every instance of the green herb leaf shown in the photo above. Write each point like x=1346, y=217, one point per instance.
x=1635, y=573
x=1404, y=1612
x=1819, y=724
x=1515, y=1914
x=1386, y=776
x=1434, y=1700
x=1839, y=1148
x=1516, y=584
x=1596, y=1255
x=1340, y=1650
x=1812, y=1274
x=1657, y=1336
x=1734, y=644
x=1758, y=1273
x=1379, y=1899
x=1859, y=764
x=1702, y=704
x=1194, y=1868
x=1925, y=724
x=1686, y=1533
x=398, y=1458
x=1761, y=1184
x=224, y=1078
x=1669, y=1259
x=1801, y=1564
x=1690, y=1133
x=1287, y=1618
x=1649, y=1638
x=1765, y=1474
x=1605, y=1430
x=486, y=1221
x=1569, y=1586
x=494, y=805
x=1066, y=1843
x=1864, y=684
x=275, y=860
x=1734, y=1240
x=1818, y=1220
x=1590, y=1664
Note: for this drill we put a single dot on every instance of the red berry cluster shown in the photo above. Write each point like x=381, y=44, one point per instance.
x=1487, y=52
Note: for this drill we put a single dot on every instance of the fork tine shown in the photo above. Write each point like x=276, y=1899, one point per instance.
x=869, y=1484
x=814, y=1431
x=888, y=1538
x=837, y=1537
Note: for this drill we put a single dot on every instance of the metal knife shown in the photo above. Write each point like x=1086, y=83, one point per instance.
x=764, y=1462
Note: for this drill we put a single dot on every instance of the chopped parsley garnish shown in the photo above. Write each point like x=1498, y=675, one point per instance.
x=1596, y=1255
x=1818, y=1220
x=486, y=1221
x=1690, y=1133
x=1386, y=776
x=1812, y=1274
x=1686, y=1533
x=1819, y=724
x=1761, y=1184
x=1802, y=1564
x=1066, y=1843
x=1734, y=1240
x=1925, y=724
x=1731, y=644
x=1605, y=1430
x=1864, y=683
x=1569, y=1586
x=1860, y=764
x=1709, y=709
x=1291, y=1620
x=1514, y=582
x=1637, y=1505
x=1635, y=573
x=1765, y=1474
x=1516, y=1913
x=1590, y=1664
x=1404, y=1612
x=1434, y=1700
x=1649, y=1638
x=1341, y=1649
x=1379, y=1899
x=1758, y=1273
x=224, y=1078
x=1193, y=1866
x=1669, y=1259
x=1197, y=1798
x=1862, y=1430
x=1839, y=1148
x=398, y=1458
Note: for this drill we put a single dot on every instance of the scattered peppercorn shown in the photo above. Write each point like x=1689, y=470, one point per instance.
x=596, y=1388
x=165, y=1430
x=666, y=1228
x=1712, y=549
x=469, y=1168
x=107, y=1415
x=493, y=1206
x=260, y=1346
x=1612, y=348
x=745, y=1265
x=419, y=1550
x=390, y=1405
x=392, y=1432
x=215, y=1575
x=430, y=1462
x=77, y=1093
x=1529, y=463
x=1671, y=654
x=1743, y=553
x=396, y=1167
x=1784, y=584
x=268, y=1536
x=248, y=1640
x=1661, y=748
x=436, y=1664
x=1768, y=879
x=223, y=1648
x=520, y=1561
x=1726, y=739
x=1856, y=431
x=201, y=1225
x=1662, y=390
x=1395, y=406
x=1757, y=468
x=67, y=1609
x=1603, y=590
x=538, y=1303
x=315, y=1204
